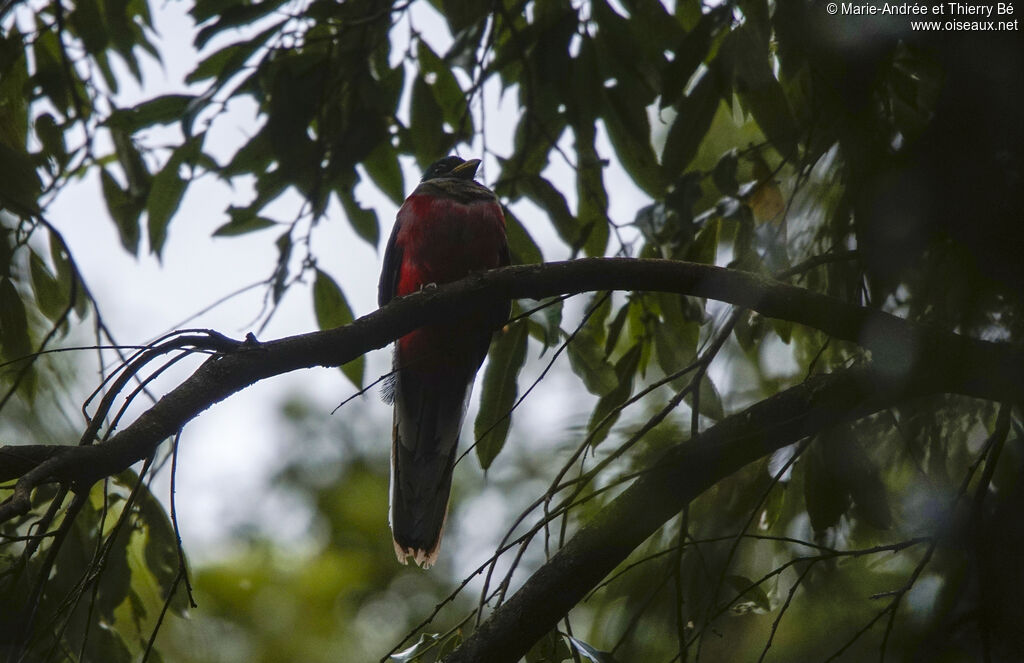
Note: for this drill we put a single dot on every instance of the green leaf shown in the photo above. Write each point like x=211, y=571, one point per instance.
x=590, y=192
x=167, y=192
x=164, y=109
x=695, y=113
x=521, y=246
x=500, y=390
x=710, y=404
x=550, y=199
x=124, y=210
x=588, y=362
x=615, y=328
x=52, y=138
x=724, y=174
x=242, y=224
x=14, y=337
x=51, y=297
x=630, y=134
x=826, y=496
x=237, y=15
x=426, y=642
x=676, y=347
x=446, y=91
x=591, y=653
x=625, y=371
x=332, y=310
x=692, y=50
x=751, y=596
x=20, y=186
x=705, y=246
x=551, y=648
x=426, y=120
x=363, y=221
x=382, y=166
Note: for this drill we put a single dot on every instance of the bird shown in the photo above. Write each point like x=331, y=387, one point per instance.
x=449, y=227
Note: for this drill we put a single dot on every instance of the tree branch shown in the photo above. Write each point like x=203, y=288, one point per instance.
x=679, y=476
x=901, y=350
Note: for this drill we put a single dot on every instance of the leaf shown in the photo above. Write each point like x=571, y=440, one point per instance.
x=550, y=648
x=167, y=192
x=676, y=347
x=705, y=247
x=825, y=495
x=14, y=338
x=52, y=138
x=242, y=224
x=500, y=390
x=164, y=109
x=51, y=297
x=363, y=221
x=20, y=186
x=332, y=310
x=424, y=644
x=382, y=166
x=523, y=249
x=590, y=192
x=546, y=321
x=755, y=597
x=446, y=91
x=625, y=371
x=426, y=120
x=237, y=15
x=630, y=134
x=693, y=120
x=710, y=402
x=123, y=210
x=724, y=174
x=588, y=362
x=550, y=199
x=592, y=653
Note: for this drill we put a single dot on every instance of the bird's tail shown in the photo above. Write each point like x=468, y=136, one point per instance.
x=429, y=408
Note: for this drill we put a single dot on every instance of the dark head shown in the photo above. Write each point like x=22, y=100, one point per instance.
x=452, y=167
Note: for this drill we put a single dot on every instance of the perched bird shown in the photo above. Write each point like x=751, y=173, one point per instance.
x=447, y=228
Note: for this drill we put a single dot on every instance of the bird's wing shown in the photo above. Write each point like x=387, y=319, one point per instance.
x=389, y=273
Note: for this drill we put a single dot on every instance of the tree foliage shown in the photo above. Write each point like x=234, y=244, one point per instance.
x=802, y=439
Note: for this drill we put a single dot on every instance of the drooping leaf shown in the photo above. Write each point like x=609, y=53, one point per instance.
x=625, y=373
x=695, y=113
x=383, y=167
x=51, y=297
x=550, y=199
x=167, y=192
x=499, y=392
x=165, y=109
x=751, y=596
x=551, y=648
x=242, y=224
x=587, y=361
x=590, y=192
x=20, y=186
x=825, y=494
x=332, y=310
x=14, y=336
x=363, y=220
x=124, y=210
x=630, y=134
x=591, y=653
x=521, y=246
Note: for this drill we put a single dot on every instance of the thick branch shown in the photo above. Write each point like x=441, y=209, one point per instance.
x=682, y=474
x=977, y=368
